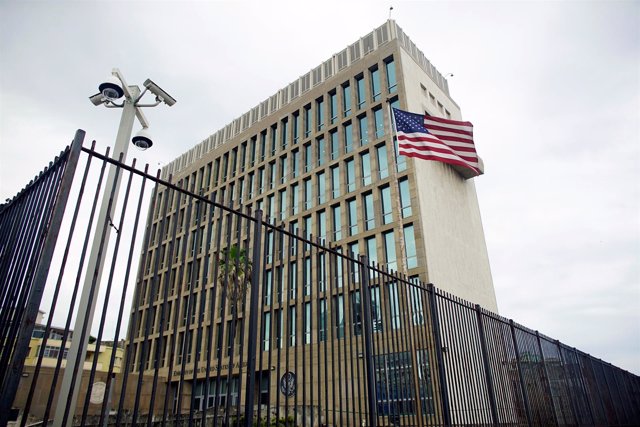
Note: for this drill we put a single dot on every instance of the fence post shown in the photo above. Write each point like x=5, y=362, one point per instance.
x=253, y=321
x=368, y=345
x=442, y=380
x=525, y=395
x=487, y=367
x=50, y=235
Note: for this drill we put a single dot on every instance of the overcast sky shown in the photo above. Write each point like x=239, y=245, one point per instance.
x=553, y=90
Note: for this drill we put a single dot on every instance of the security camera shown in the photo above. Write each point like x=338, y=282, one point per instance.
x=158, y=92
x=97, y=99
x=111, y=88
x=142, y=140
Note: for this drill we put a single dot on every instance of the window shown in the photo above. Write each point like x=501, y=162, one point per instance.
x=337, y=223
x=274, y=139
x=335, y=181
x=335, y=145
x=296, y=128
x=292, y=326
x=271, y=206
x=322, y=188
x=320, y=150
x=272, y=178
x=369, y=213
x=321, y=220
x=354, y=252
x=294, y=242
x=338, y=270
x=375, y=84
x=376, y=309
x=385, y=199
x=295, y=167
x=240, y=190
x=234, y=156
x=308, y=158
x=351, y=175
x=394, y=305
x=283, y=204
x=364, y=130
x=307, y=121
x=383, y=165
x=405, y=198
x=243, y=157
x=390, y=250
x=320, y=114
x=356, y=313
x=372, y=250
x=346, y=99
x=410, y=246
x=307, y=323
x=295, y=202
x=293, y=279
x=263, y=145
x=348, y=138
x=417, y=310
x=392, y=84
x=225, y=163
x=307, y=276
x=339, y=316
x=333, y=105
x=266, y=332
x=322, y=320
x=252, y=152
x=285, y=133
x=308, y=194
x=268, y=284
x=365, y=162
x=353, y=217
x=284, y=172
x=378, y=117
x=307, y=230
x=361, y=92
x=250, y=185
x=279, y=327
x=260, y=180
x=393, y=373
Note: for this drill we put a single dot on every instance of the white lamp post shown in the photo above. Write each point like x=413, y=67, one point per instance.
x=114, y=88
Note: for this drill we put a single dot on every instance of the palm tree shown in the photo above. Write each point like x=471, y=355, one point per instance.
x=235, y=273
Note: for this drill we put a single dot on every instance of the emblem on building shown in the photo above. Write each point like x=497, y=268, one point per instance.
x=288, y=384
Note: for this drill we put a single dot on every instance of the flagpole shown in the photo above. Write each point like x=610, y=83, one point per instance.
x=394, y=138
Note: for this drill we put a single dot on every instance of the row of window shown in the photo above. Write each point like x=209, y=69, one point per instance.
x=350, y=217
x=311, y=325
x=290, y=166
x=281, y=282
x=305, y=123
x=302, y=195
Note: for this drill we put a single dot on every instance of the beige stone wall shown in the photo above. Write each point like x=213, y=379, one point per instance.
x=45, y=379
x=452, y=235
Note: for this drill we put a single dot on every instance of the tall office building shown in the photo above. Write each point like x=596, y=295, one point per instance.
x=318, y=156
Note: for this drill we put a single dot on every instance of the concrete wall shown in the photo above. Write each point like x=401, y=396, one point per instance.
x=452, y=233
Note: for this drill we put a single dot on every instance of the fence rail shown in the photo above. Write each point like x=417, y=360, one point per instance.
x=232, y=320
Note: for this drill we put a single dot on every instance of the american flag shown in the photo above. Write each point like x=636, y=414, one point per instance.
x=433, y=138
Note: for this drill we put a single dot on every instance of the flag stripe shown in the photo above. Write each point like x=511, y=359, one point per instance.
x=439, y=152
x=452, y=130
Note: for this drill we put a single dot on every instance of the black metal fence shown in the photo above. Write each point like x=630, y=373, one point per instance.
x=237, y=321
